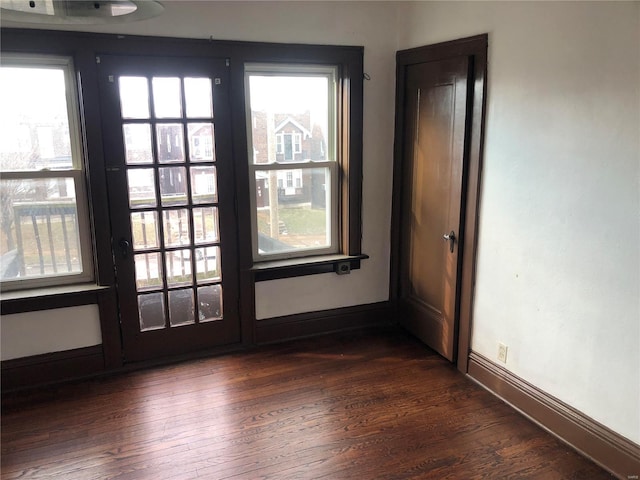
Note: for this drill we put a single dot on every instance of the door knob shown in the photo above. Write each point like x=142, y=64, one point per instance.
x=451, y=237
x=124, y=247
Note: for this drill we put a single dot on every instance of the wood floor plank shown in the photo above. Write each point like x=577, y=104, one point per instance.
x=368, y=405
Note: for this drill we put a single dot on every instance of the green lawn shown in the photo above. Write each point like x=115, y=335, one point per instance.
x=297, y=220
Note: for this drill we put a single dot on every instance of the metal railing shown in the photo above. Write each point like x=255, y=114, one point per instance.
x=47, y=240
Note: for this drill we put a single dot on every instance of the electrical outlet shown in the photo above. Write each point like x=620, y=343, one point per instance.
x=502, y=352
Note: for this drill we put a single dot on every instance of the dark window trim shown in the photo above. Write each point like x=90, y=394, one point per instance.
x=350, y=133
x=48, y=298
x=85, y=47
x=298, y=267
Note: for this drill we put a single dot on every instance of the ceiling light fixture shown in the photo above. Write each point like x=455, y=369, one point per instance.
x=85, y=12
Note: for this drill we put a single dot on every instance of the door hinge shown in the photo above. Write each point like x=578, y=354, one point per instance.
x=227, y=62
x=98, y=60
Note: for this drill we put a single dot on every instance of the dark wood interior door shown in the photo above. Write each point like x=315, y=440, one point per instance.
x=435, y=112
x=166, y=130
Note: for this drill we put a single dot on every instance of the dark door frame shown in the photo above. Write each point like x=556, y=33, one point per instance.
x=475, y=48
x=199, y=336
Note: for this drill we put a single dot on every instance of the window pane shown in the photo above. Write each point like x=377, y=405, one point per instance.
x=151, y=311
x=204, y=185
x=291, y=117
x=201, y=146
x=181, y=309
x=208, y=264
x=178, y=266
x=137, y=143
x=148, y=271
x=34, y=125
x=170, y=143
x=293, y=218
x=134, y=97
x=210, y=303
x=166, y=97
x=142, y=189
x=176, y=228
x=40, y=235
x=173, y=186
x=197, y=93
x=145, y=230
x=205, y=221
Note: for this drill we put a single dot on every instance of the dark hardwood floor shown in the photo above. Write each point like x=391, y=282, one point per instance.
x=359, y=406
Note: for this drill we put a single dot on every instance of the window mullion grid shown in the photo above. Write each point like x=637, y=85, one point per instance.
x=189, y=206
x=159, y=209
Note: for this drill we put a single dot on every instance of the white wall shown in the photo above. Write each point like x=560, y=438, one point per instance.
x=558, y=276
x=368, y=24
x=33, y=333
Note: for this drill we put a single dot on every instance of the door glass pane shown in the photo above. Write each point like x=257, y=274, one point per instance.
x=176, y=228
x=151, y=311
x=209, y=303
x=203, y=185
x=148, y=271
x=144, y=226
x=173, y=186
x=166, y=97
x=137, y=143
x=208, y=264
x=285, y=223
x=181, y=310
x=134, y=97
x=142, y=189
x=178, y=267
x=201, y=146
x=205, y=221
x=170, y=142
x=197, y=93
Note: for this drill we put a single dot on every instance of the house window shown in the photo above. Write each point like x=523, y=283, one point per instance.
x=297, y=143
x=299, y=106
x=45, y=235
x=288, y=144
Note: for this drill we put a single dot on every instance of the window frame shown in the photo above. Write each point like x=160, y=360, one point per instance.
x=84, y=48
x=335, y=97
x=77, y=172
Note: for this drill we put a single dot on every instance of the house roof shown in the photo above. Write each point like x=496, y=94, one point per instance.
x=297, y=124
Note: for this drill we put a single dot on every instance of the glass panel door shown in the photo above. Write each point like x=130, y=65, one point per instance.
x=171, y=203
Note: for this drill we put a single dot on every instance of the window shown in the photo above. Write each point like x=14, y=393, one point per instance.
x=45, y=237
x=287, y=144
x=297, y=105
